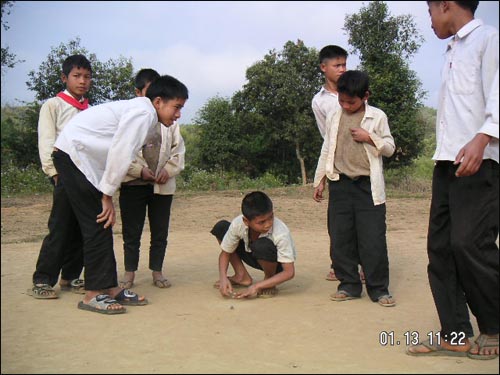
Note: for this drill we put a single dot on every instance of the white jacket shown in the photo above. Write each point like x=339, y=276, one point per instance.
x=376, y=124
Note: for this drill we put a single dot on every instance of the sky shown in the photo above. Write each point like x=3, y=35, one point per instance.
x=208, y=45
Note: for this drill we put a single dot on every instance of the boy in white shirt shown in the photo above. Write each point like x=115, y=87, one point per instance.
x=259, y=239
x=93, y=154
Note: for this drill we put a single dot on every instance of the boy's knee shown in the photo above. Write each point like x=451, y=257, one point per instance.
x=264, y=249
x=220, y=229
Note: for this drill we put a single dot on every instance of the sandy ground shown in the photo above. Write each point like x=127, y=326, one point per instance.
x=190, y=328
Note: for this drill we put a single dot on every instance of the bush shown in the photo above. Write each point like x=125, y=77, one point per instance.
x=26, y=180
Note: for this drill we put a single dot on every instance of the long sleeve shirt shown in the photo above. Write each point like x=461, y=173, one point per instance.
x=322, y=104
x=102, y=141
x=171, y=158
x=468, y=102
x=376, y=124
x=54, y=115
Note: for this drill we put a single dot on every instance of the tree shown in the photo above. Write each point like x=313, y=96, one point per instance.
x=384, y=44
x=275, y=106
x=111, y=80
x=9, y=60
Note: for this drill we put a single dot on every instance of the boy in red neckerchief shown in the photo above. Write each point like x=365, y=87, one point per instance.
x=61, y=250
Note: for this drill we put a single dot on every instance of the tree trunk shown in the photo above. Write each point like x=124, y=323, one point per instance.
x=302, y=164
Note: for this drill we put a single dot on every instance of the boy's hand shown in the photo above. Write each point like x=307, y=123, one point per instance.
x=470, y=156
x=250, y=292
x=361, y=135
x=162, y=177
x=147, y=174
x=318, y=191
x=107, y=215
x=225, y=287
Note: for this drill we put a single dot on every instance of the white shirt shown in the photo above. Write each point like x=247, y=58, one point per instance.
x=103, y=140
x=376, y=124
x=279, y=234
x=467, y=81
x=323, y=103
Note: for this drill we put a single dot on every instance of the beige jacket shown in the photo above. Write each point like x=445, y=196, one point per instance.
x=54, y=115
x=171, y=158
x=376, y=124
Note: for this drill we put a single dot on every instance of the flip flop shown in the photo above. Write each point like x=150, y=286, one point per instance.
x=126, y=284
x=42, y=291
x=342, y=295
x=101, y=304
x=484, y=341
x=76, y=286
x=128, y=298
x=388, y=298
x=162, y=283
x=435, y=351
x=330, y=276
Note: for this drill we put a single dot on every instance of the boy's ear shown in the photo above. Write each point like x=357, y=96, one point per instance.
x=64, y=78
x=245, y=221
x=156, y=102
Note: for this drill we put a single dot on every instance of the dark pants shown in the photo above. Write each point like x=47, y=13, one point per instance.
x=263, y=248
x=85, y=199
x=462, y=249
x=62, y=248
x=359, y=229
x=134, y=200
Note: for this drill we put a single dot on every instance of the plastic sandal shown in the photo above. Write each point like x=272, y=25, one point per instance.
x=42, y=291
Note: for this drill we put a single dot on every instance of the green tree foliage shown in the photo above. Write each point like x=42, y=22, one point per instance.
x=9, y=59
x=111, y=80
x=274, y=112
x=219, y=144
x=384, y=44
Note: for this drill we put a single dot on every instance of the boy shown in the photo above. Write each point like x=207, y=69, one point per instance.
x=93, y=154
x=150, y=184
x=356, y=138
x=260, y=240
x=333, y=63
x=61, y=250
x=463, y=224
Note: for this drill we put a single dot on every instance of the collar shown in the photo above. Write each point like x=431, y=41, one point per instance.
x=464, y=31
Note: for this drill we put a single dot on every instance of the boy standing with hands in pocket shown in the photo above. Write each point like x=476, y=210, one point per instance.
x=357, y=136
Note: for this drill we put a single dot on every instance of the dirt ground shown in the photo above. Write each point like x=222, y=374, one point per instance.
x=190, y=328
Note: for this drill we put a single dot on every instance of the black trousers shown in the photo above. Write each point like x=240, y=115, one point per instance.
x=134, y=200
x=462, y=249
x=357, y=229
x=62, y=248
x=98, y=255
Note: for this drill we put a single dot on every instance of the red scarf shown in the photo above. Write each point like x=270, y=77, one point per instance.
x=75, y=103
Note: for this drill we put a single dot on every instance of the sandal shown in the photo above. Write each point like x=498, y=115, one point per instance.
x=330, y=276
x=432, y=350
x=42, y=291
x=126, y=284
x=482, y=342
x=76, y=286
x=101, y=304
x=386, y=300
x=162, y=283
x=342, y=295
x=129, y=298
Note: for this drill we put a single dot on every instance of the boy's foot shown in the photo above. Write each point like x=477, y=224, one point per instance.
x=235, y=283
x=160, y=281
x=76, y=286
x=102, y=304
x=426, y=349
x=128, y=280
x=386, y=300
x=485, y=347
x=42, y=291
x=330, y=276
x=342, y=295
x=268, y=293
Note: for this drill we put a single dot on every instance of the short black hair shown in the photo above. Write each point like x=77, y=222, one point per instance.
x=331, y=52
x=75, y=61
x=471, y=5
x=256, y=204
x=145, y=76
x=354, y=83
x=167, y=87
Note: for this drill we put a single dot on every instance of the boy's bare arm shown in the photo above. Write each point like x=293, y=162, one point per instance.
x=225, y=286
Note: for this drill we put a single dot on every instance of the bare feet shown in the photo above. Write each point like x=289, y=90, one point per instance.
x=268, y=293
x=160, y=281
x=236, y=281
